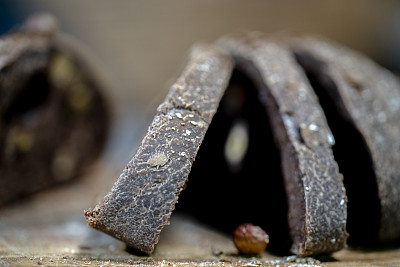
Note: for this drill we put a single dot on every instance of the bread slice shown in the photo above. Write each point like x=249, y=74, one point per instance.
x=144, y=196
x=53, y=116
x=367, y=99
x=316, y=195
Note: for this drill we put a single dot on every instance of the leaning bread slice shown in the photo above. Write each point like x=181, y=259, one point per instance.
x=314, y=188
x=142, y=199
x=367, y=98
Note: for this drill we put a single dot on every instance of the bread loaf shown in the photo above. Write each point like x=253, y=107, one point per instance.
x=53, y=116
x=329, y=111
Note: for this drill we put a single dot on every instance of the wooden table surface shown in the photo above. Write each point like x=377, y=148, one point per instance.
x=49, y=229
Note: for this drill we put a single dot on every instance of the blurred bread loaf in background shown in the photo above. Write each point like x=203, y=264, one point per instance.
x=54, y=118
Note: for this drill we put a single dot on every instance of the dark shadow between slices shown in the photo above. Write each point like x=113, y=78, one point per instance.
x=228, y=187
x=350, y=152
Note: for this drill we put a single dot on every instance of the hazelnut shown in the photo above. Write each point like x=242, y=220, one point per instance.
x=250, y=239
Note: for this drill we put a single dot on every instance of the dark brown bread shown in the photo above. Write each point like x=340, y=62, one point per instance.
x=142, y=199
x=314, y=188
x=368, y=98
x=289, y=75
x=53, y=117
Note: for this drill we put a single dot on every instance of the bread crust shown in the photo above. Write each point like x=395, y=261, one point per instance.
x=369, y=97
x=314, y=188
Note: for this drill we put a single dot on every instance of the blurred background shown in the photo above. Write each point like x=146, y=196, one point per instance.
x=141, y=45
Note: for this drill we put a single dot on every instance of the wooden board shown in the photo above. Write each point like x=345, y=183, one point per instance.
x=49, y=229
